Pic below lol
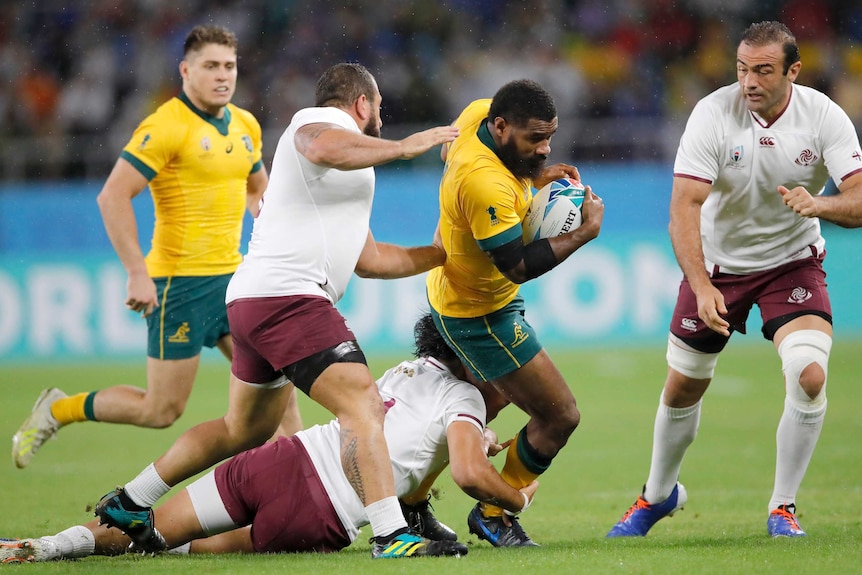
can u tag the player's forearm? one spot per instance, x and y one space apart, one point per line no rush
684 232
343 150
391 261
484 484
122 229
843 209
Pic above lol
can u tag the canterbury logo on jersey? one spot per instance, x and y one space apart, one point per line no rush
181 335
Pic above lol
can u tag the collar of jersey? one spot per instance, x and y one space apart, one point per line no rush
484 136
220 124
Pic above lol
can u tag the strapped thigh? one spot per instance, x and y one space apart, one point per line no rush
304 372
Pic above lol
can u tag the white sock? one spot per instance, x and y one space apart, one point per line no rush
147 487
73 543
675 429
795 440
183 549
385 516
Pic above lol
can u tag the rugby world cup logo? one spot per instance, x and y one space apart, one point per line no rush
736 154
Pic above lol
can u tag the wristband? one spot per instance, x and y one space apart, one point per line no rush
527 502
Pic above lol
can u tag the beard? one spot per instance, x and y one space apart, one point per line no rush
372 128
521 166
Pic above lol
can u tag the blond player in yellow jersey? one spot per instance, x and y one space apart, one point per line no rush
485 192
201 157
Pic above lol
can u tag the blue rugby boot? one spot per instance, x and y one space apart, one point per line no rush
497 533
641 516
782 522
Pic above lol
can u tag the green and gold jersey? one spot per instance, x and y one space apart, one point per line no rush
198 167
481 208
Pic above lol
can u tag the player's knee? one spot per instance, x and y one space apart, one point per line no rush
804 361
688 361
162 416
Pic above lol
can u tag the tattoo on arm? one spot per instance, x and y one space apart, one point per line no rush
350 464
308 133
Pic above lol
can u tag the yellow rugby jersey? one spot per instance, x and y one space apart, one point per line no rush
481 208
197 167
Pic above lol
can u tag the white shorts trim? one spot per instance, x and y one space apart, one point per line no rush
209 507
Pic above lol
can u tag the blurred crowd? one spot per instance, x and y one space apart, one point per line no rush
78 76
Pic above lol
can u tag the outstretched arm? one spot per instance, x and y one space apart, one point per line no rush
388 261
332 146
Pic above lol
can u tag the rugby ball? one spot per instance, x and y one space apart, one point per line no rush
556 209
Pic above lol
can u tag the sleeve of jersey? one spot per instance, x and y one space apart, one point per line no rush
489 204
841 150
465 403
698 156
256 140
153 144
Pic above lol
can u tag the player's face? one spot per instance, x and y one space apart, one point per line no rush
374 124
525 149
209 77
765 87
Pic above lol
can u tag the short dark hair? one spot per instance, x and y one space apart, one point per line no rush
343 83
204 34
428 341
772 32
520 101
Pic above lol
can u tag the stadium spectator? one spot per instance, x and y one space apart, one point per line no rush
745 226
201 157
630 57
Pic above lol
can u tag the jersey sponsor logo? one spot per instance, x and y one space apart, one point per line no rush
206 144
767 142
143 143
520 335
181 335
492 211
688 323
799 295
246 140
806 158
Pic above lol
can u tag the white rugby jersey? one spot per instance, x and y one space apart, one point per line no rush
312 225
422 398
745 226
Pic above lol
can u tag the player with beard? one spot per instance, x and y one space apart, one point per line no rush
310 236
484 194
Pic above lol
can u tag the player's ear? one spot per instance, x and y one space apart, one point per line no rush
362 107
500 125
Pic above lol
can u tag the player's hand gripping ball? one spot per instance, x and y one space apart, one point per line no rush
556 209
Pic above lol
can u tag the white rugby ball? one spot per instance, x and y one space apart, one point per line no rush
556 209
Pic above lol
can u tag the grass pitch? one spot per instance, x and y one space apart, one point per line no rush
728 473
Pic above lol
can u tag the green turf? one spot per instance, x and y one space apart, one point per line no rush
728 473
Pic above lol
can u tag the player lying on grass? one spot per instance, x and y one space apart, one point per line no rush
292 495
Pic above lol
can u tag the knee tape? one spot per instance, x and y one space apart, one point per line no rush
688 361
797 351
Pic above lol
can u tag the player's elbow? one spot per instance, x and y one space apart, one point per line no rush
516 275
468 478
